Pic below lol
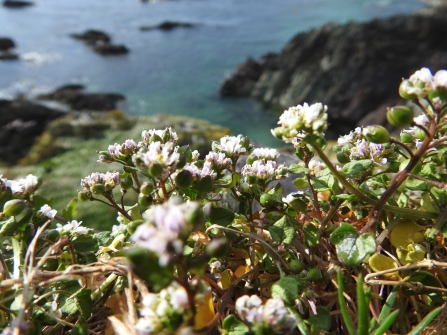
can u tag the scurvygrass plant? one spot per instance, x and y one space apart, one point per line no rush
358 248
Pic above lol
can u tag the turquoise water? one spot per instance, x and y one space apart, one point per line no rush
176 72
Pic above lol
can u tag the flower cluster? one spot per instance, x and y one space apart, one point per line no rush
118 152
300 121
160 159
422 83
162 312
156 135
23 187
233 146
355 147
99 183
262 170
265 153
272 315
47 212
73 228
167 228
198 173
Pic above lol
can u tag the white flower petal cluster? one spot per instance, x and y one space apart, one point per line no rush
24 186
310 119
73 228
273 314
218 160
368 150
166 135
119 151
315 164
166 230
233 146
109 179
159 308
352 137
264 170
422 82
265 153
47 211
164 154
198 173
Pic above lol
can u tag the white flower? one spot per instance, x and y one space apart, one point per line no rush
179 299
263 170
47 211
276 315
23 186
74 228
218 160
421 82
168 228
312 119
249 308
422 76
233 146
421 120
265 153
315 164
167 133
109 179
148 326
440 78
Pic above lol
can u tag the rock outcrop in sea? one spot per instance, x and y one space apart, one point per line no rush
101 42
168 25
7 46
354 68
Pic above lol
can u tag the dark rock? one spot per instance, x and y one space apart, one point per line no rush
21 120
354 68
17 3
6 43
77 99
111 49
101 42
8 55
168 25
93 37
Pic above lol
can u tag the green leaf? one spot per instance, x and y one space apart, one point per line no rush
311 235
322 319
70 212
297 169
233 326
84 302
351 248
424 278
221 216
355 168
229 181
416 185
283 231
319 184
204 185
425 321
84 243
81 328
287 289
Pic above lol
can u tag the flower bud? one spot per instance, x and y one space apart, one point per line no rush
314 274
296 266
251 178
419 134
267 200
347 148
250 160
98 189
147 188
144 200
342 157
84 196
337 148
439 93
277 132
400 116
14 207
126 183
5 195
406 138
403 89
166 135
133 225
376 134
183 180
155 169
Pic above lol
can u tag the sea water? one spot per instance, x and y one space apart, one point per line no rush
173 72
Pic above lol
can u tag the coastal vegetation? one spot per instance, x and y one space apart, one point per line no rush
204 245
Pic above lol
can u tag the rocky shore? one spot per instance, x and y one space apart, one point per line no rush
355 68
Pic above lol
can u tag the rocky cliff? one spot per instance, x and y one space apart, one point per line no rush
355 68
